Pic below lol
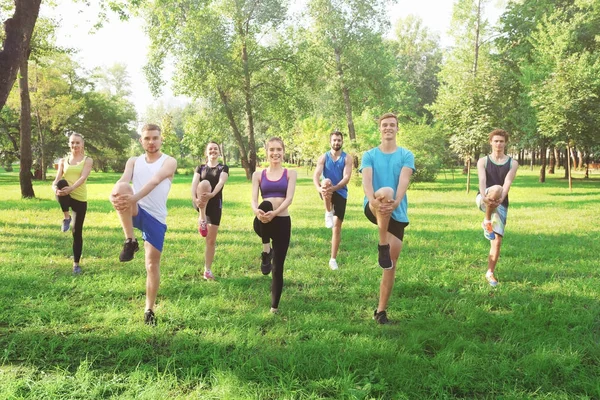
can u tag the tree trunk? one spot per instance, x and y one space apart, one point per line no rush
345 93
249 113
25 126
468 174
532 161
543 167
236 134
552 160
18 31
222 150
477 30
568 169
579 160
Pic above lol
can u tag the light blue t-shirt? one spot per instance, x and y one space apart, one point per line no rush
386 173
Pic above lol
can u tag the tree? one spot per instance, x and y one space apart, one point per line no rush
346 41
465 103
418 60
17 35
223 53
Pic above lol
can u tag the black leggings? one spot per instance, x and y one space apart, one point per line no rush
79 210
279 231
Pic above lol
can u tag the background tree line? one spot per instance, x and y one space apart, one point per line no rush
256 69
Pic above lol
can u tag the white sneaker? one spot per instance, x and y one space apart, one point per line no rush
329 219
333 264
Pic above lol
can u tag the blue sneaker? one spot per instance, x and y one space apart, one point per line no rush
77 270
488 232
66 224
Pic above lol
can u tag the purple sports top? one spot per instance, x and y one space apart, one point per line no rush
276 188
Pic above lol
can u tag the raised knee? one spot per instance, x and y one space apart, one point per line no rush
495 191
204 186
122 188
386 192
326 183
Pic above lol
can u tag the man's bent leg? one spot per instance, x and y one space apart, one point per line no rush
125 215
384 195
152 257
326 184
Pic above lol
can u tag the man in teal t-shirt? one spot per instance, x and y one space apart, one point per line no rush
386 171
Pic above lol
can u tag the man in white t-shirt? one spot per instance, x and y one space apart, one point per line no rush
144 206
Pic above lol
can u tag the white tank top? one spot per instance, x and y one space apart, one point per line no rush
155 202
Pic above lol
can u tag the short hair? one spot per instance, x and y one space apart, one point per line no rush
274 139
498 132
79 135
336 133
387 115
151 127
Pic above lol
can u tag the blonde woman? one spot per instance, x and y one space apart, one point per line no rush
273 223
71 192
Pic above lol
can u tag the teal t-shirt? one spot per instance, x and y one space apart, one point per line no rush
386 172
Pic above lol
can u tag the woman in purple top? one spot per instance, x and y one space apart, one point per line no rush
273 222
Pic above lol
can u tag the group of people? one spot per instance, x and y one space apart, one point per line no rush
140 197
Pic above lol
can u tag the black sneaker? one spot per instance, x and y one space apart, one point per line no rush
381 317
149 318
385 260
130 247
266 264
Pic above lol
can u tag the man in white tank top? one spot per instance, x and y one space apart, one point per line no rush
144 206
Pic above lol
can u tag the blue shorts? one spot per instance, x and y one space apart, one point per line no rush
153 231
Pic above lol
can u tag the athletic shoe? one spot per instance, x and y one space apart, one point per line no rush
266 264
149 318
380 317
77 270
385 261
488 231
203 229
208 275
333 264
274 310
129 247
66 224
329 219
489 276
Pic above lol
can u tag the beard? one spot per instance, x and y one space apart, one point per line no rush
336 147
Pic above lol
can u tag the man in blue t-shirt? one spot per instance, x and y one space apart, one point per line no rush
386 171
335 167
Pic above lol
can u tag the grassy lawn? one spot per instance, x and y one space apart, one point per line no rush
537 335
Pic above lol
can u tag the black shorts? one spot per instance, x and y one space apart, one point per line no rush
395 228
339 205
213 212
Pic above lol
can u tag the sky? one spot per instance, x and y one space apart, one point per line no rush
125 41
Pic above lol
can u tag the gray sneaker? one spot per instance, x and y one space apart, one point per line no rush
66 224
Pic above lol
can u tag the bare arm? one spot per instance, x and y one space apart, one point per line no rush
222 179
59 175
403 182
255 185
481 176
128 172
195 182
346 174
319 172
510 177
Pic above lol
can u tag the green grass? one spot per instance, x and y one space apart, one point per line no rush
535 336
